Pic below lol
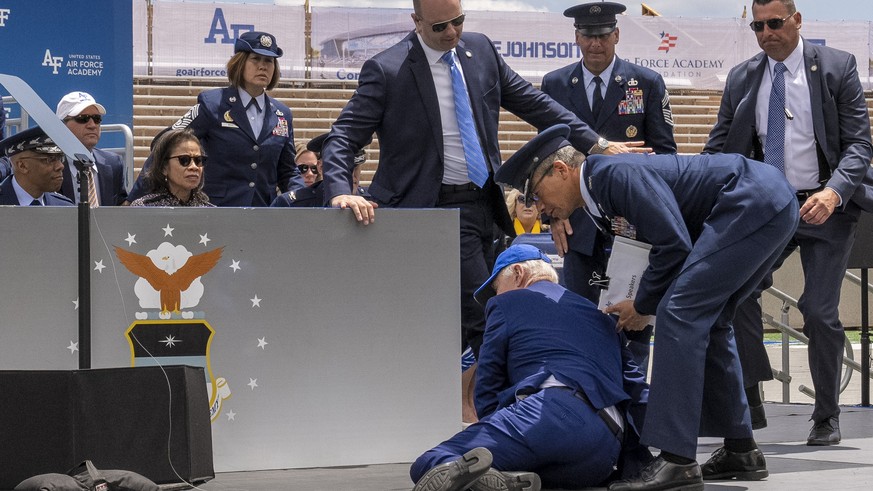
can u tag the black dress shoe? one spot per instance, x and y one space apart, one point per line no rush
826 432
661 475
456 475
759 417
743 466
495 480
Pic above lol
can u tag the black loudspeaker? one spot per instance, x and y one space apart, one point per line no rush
135 419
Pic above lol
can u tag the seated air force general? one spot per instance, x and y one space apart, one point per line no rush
83 115
556 391
716 224
246 133
176 175
38 166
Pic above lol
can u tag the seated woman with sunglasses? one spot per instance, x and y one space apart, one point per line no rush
176 175
525 219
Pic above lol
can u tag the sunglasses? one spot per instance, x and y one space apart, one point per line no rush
441 26
522 200
773 24
185 160
304 168
84 118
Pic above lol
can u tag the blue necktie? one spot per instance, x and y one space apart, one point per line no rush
35 203
476 169
774 147
597 99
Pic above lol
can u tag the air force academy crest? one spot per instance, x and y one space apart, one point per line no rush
167 331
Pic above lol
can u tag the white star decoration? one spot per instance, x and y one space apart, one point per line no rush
73 347
98 266
262 342
204 239
131 239
253 382
168 230
234 265
230 415
170 341
256 302
76 304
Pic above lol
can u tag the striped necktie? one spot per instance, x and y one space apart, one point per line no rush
93 202
477 171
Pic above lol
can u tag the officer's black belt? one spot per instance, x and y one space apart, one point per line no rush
610 423
806 193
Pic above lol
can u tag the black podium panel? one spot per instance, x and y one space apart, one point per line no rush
120 418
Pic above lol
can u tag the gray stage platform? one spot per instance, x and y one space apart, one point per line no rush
792 464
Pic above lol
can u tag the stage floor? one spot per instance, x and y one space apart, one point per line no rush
792 464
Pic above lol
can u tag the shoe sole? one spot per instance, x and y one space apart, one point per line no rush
739 476
494 480
458 476
820 443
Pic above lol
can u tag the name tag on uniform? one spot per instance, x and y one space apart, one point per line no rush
229 125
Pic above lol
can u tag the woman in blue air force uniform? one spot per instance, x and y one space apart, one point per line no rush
246 133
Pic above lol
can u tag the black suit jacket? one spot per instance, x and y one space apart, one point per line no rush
110 172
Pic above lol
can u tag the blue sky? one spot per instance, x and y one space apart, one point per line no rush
811 9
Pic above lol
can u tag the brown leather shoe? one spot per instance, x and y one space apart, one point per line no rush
495 480
743 466
826 432
458 474
661 475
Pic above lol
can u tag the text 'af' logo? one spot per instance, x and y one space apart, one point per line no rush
668 41
53 61
4 14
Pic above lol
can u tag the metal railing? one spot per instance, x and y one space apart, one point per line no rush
789 333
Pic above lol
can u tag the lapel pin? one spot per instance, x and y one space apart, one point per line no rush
228 117
468 53
632 82
813 68
574 80
618 79
232 99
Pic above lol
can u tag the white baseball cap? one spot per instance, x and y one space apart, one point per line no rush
75 102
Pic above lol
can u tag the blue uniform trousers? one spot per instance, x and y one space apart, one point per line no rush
696 380
824 254
551 432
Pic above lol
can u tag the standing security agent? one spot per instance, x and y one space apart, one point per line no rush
803 107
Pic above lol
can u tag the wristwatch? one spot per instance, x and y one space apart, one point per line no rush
599 147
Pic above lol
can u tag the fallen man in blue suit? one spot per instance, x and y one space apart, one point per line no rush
556 391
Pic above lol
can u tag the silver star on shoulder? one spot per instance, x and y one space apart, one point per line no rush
170 341
73 347
234 265
230 415
168 230
131 239
76 304
262 342
253 382
204 239
256 302
98 266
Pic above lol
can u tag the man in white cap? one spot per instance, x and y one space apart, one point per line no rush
83 115
37 164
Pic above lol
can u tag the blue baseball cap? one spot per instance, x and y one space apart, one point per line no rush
513 254
258 42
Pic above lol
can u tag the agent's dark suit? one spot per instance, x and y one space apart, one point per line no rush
110 172
842 134
397 100
716 223
2 120
8 196
243 169
636 108
532 334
